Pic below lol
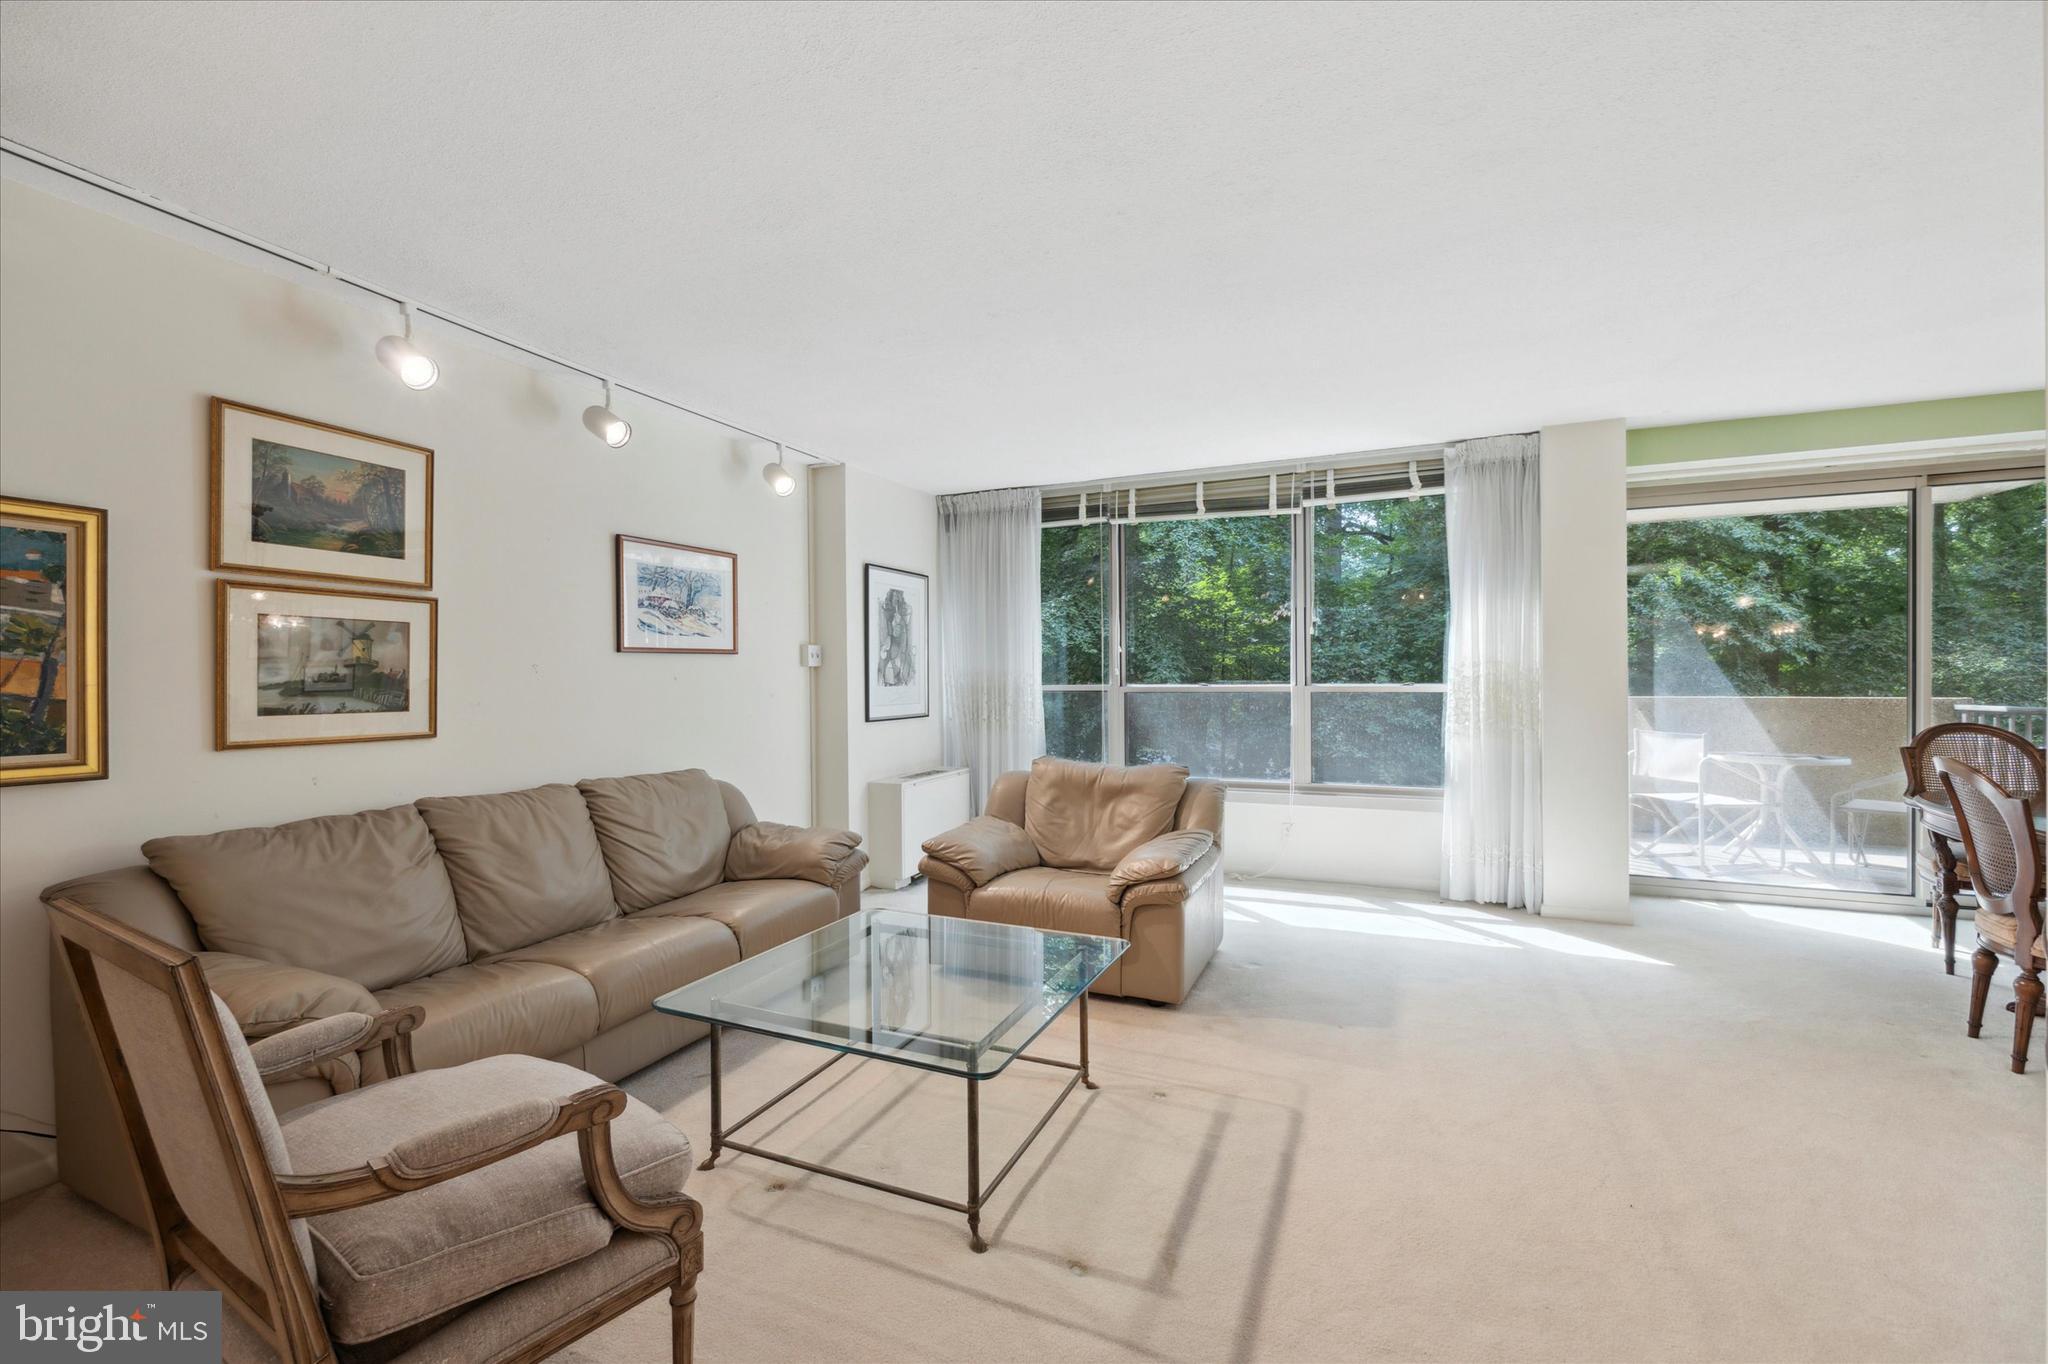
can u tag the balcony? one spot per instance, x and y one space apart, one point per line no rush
1833 825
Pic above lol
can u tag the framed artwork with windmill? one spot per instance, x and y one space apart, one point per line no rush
303 499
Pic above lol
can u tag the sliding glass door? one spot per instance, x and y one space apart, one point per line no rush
1770 676
1784 642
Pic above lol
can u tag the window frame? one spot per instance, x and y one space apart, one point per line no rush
1116 689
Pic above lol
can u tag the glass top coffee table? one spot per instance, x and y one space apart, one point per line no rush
949 995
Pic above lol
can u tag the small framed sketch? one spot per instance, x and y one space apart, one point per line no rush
899 675
53 642
309 665
303 499
675 599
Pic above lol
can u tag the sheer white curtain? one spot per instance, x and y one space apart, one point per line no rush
988 634
1493 714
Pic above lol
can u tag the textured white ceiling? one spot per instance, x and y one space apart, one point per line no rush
967 245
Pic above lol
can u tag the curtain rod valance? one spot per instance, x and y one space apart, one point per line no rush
1249 493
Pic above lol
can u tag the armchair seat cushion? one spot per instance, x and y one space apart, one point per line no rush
403 1261
761 914
629 962
1049 898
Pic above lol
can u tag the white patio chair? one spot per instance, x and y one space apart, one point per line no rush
1850 812
1667 782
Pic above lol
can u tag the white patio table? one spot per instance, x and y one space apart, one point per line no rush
1772 773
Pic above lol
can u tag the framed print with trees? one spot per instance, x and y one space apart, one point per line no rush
304 499
53 642
675 599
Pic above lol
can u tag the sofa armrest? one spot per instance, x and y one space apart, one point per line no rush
266 997
307 1049
983 848
767 851
1165 858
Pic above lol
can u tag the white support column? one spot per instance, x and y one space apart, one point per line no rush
1585 671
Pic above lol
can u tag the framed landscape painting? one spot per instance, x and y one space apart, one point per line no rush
308 500
53 642
899 674
306 665
675 599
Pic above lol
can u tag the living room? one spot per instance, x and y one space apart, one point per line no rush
1438 613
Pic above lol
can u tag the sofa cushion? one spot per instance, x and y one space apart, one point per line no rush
393 1264
664 834
761 914
525 865
1059 901
365 897
489 1007
1090 815
629 962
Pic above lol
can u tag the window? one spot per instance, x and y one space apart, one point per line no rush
1256 648
1073 584
1376 694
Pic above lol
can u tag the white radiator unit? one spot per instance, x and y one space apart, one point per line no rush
903 812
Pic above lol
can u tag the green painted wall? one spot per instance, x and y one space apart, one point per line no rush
1992 414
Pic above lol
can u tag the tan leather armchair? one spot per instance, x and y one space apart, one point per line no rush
1119 852
493 1210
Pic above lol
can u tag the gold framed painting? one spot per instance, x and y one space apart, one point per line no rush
312 665
298 498
53 642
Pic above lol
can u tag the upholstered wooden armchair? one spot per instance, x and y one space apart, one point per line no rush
437 1215
2007 758
2005 865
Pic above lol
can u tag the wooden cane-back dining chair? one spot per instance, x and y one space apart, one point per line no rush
2005 757
2005 859
226 1211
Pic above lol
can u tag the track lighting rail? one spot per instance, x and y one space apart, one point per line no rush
56 165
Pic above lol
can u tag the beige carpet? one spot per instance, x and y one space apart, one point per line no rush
1385 1129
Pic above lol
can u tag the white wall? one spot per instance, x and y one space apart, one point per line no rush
1385 843
114 336
862 519
1585 671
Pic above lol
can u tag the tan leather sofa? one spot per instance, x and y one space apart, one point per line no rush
1120 852
543 922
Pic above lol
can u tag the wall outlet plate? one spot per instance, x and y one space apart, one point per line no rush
813 655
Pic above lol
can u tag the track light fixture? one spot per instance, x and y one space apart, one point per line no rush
778 476
404 359
607 425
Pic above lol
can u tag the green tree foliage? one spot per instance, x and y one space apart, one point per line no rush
1818 603
1073 572
1990 623
1810 603
1382 581
1209 601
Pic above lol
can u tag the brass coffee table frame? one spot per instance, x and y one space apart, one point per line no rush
977 1194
